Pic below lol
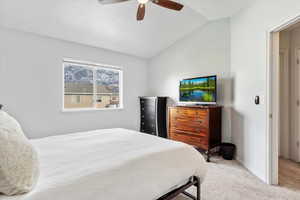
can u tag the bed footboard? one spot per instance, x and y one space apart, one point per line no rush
193 181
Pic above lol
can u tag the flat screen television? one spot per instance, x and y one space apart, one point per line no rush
200 90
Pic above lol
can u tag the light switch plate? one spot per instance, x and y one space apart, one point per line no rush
256 101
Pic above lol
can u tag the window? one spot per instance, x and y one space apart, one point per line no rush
91 86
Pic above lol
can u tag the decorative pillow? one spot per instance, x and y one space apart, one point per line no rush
19 167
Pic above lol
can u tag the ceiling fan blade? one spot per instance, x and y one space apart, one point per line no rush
111 1
141 12
168 4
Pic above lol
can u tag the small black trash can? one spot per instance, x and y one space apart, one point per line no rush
227 151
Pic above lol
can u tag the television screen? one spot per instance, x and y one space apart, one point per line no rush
199 90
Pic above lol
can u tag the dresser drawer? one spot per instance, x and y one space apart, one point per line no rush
148 130
148 125
191 130
192 114
148 102
193 121
201 142
148 110
148 117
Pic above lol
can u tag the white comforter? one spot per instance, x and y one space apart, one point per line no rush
111 164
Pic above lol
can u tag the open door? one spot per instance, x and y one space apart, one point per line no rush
274 108
295 107
284 133
295 150
298 105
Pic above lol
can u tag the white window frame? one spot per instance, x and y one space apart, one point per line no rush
94 67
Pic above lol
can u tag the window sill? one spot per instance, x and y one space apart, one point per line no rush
90 109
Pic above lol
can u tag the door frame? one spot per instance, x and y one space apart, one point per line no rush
273 99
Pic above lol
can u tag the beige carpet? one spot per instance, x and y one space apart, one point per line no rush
227 180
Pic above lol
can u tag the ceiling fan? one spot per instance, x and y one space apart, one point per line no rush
141 7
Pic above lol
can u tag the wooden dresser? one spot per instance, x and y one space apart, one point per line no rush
199 126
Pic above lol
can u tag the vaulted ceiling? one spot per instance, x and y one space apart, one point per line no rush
114 26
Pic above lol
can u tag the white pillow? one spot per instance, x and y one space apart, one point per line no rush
19 167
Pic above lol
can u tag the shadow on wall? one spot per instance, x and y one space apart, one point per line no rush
237 128
237 125
224 97
171 102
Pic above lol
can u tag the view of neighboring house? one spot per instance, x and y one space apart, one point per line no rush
81 91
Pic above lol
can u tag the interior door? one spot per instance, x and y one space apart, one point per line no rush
297 136
295 107
274 108
284 134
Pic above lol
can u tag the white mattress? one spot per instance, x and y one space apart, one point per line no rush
111 164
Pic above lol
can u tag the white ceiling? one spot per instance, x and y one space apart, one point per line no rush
114 26
216 9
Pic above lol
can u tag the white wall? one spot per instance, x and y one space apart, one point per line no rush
31 84
206 51
249 66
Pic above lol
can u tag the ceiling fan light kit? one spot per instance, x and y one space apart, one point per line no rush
141 7
143 1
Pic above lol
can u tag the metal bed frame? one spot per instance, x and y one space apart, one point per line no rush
193 181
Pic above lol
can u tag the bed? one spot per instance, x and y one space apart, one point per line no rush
114 164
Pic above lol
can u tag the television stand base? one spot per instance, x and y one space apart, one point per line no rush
198 105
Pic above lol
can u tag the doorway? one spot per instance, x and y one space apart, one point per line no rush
284 105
